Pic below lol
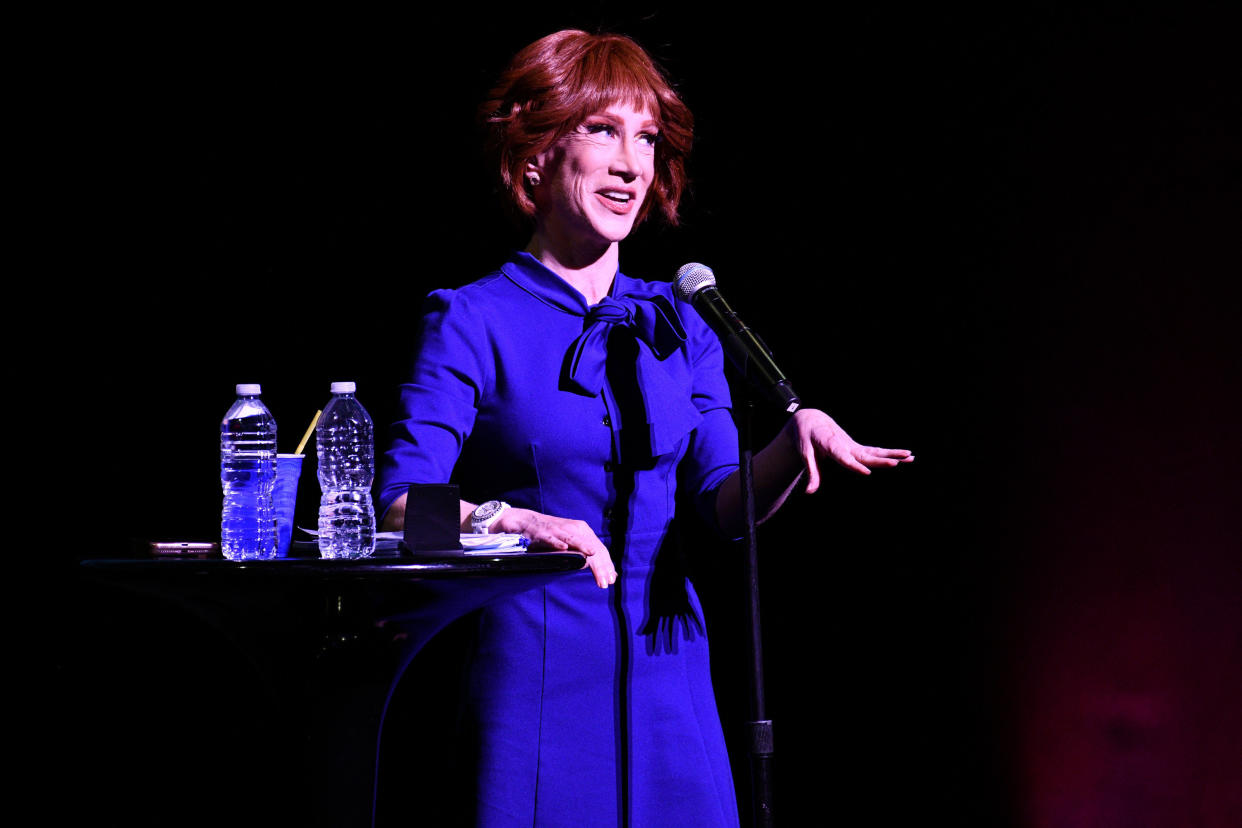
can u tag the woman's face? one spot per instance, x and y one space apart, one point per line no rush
594 180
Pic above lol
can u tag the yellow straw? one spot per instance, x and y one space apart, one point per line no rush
306 436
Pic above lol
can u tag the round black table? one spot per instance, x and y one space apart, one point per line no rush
329 641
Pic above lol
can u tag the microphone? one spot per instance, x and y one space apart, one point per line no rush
696 284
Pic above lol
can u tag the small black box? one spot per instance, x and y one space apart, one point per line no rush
432 519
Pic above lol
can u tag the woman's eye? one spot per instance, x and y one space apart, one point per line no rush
649 139
601 129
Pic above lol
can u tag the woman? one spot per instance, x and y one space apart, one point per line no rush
569 402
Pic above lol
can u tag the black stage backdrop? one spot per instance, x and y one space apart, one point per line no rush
1005 240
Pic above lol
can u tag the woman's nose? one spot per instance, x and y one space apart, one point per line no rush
625 162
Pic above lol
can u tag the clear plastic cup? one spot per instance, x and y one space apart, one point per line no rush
285 499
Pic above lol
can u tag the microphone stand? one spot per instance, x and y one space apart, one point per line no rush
760 726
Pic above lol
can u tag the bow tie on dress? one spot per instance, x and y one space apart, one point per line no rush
669 414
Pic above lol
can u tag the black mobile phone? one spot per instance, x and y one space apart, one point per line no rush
184 549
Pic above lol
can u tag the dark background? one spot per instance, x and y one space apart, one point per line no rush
1007 240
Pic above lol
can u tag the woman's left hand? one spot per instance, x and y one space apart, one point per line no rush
561 535
815 435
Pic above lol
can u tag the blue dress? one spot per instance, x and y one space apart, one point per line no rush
588 707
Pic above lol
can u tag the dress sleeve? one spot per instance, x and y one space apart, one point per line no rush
713 452
438 404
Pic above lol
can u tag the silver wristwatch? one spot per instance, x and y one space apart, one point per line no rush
485 514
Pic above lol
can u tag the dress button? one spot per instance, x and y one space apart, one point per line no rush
608 466
608 514
607 420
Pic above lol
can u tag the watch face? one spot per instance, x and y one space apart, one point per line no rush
486 510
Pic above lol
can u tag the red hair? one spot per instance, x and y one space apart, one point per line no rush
556 83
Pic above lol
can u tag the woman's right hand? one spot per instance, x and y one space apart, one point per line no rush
560 535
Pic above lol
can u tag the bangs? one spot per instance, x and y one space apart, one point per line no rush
607 76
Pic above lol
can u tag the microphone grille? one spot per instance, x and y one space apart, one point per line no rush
691 278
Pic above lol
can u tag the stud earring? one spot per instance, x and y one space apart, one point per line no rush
533 178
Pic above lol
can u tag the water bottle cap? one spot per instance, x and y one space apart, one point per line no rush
344 387
248 389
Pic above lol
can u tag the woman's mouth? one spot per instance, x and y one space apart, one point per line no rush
618 201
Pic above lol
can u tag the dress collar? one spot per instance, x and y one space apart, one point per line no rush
532 276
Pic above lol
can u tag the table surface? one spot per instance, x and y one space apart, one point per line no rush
399 567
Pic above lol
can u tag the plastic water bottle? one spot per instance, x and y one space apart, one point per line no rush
248 476
345 441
